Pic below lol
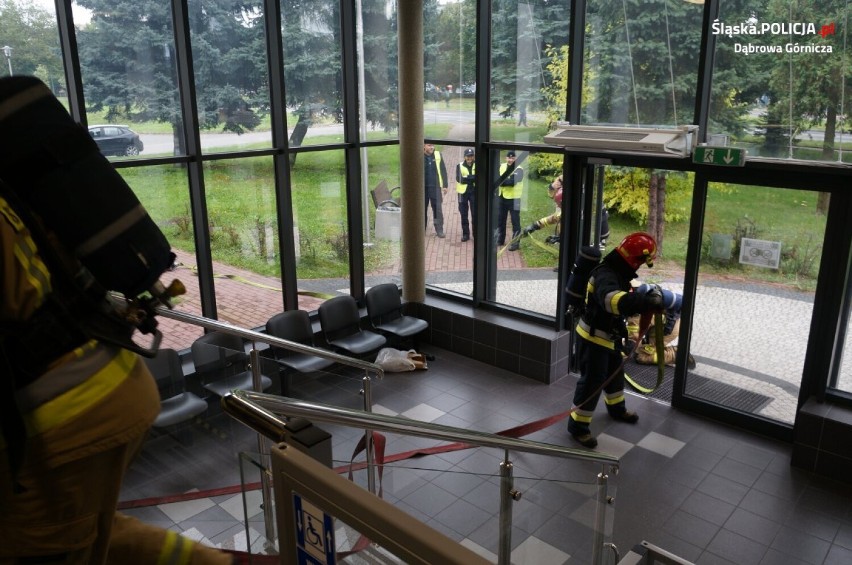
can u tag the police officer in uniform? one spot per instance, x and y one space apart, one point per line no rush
466 189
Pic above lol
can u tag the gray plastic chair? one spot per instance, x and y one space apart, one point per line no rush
341 325
384 308
220 364
294 325
176 404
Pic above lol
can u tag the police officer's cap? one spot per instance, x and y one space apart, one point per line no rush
468 152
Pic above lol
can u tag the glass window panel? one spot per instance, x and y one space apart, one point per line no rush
759 263
529 62
129 78
244 240
163 191
449 68
378 67
781 79
231 77
382 238
312 72
524 268
641 62
29 44
843 379
449 260
320 229
524 264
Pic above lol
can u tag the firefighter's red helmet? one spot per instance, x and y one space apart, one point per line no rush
638 249
558 197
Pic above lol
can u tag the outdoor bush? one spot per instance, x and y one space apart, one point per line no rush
745 228
801 259
627 193
545 165
265 238
338 240
183 224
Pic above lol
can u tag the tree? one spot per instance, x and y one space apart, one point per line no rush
521 33
645 62
737 80
312 62
127 59
381 62
455 35
31 33
806 87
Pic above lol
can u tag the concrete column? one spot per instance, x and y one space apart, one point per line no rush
412 199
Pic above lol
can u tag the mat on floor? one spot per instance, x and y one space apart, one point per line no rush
700 387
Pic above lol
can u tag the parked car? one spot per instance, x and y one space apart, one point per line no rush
116 139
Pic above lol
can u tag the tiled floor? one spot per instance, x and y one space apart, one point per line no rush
706 492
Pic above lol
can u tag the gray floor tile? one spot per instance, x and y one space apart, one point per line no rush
800 545
752 526
708 508
718 498
838 555
736 548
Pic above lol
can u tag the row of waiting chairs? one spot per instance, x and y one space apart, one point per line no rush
221 361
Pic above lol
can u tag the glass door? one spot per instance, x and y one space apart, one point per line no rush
760 256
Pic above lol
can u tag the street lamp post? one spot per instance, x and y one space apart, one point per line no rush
8 52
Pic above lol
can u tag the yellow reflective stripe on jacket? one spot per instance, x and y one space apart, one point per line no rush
611 301
550 220
77 400
177 550
599 338
438 169
32 268
512 192
461 187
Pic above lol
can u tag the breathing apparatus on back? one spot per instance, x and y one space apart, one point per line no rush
104 251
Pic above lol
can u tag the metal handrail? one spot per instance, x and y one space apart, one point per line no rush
246 403
258 411
295 346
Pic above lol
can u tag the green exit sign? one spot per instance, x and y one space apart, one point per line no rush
724 156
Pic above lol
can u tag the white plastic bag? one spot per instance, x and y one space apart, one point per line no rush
394 360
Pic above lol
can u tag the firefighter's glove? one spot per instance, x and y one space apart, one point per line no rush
654 298
531 228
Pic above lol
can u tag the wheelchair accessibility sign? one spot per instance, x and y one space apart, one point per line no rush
314 534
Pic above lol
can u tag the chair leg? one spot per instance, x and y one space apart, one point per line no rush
286 379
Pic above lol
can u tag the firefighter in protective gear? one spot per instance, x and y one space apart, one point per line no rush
550 220
554 190
78 415
601 332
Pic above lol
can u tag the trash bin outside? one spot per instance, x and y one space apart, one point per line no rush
388 221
